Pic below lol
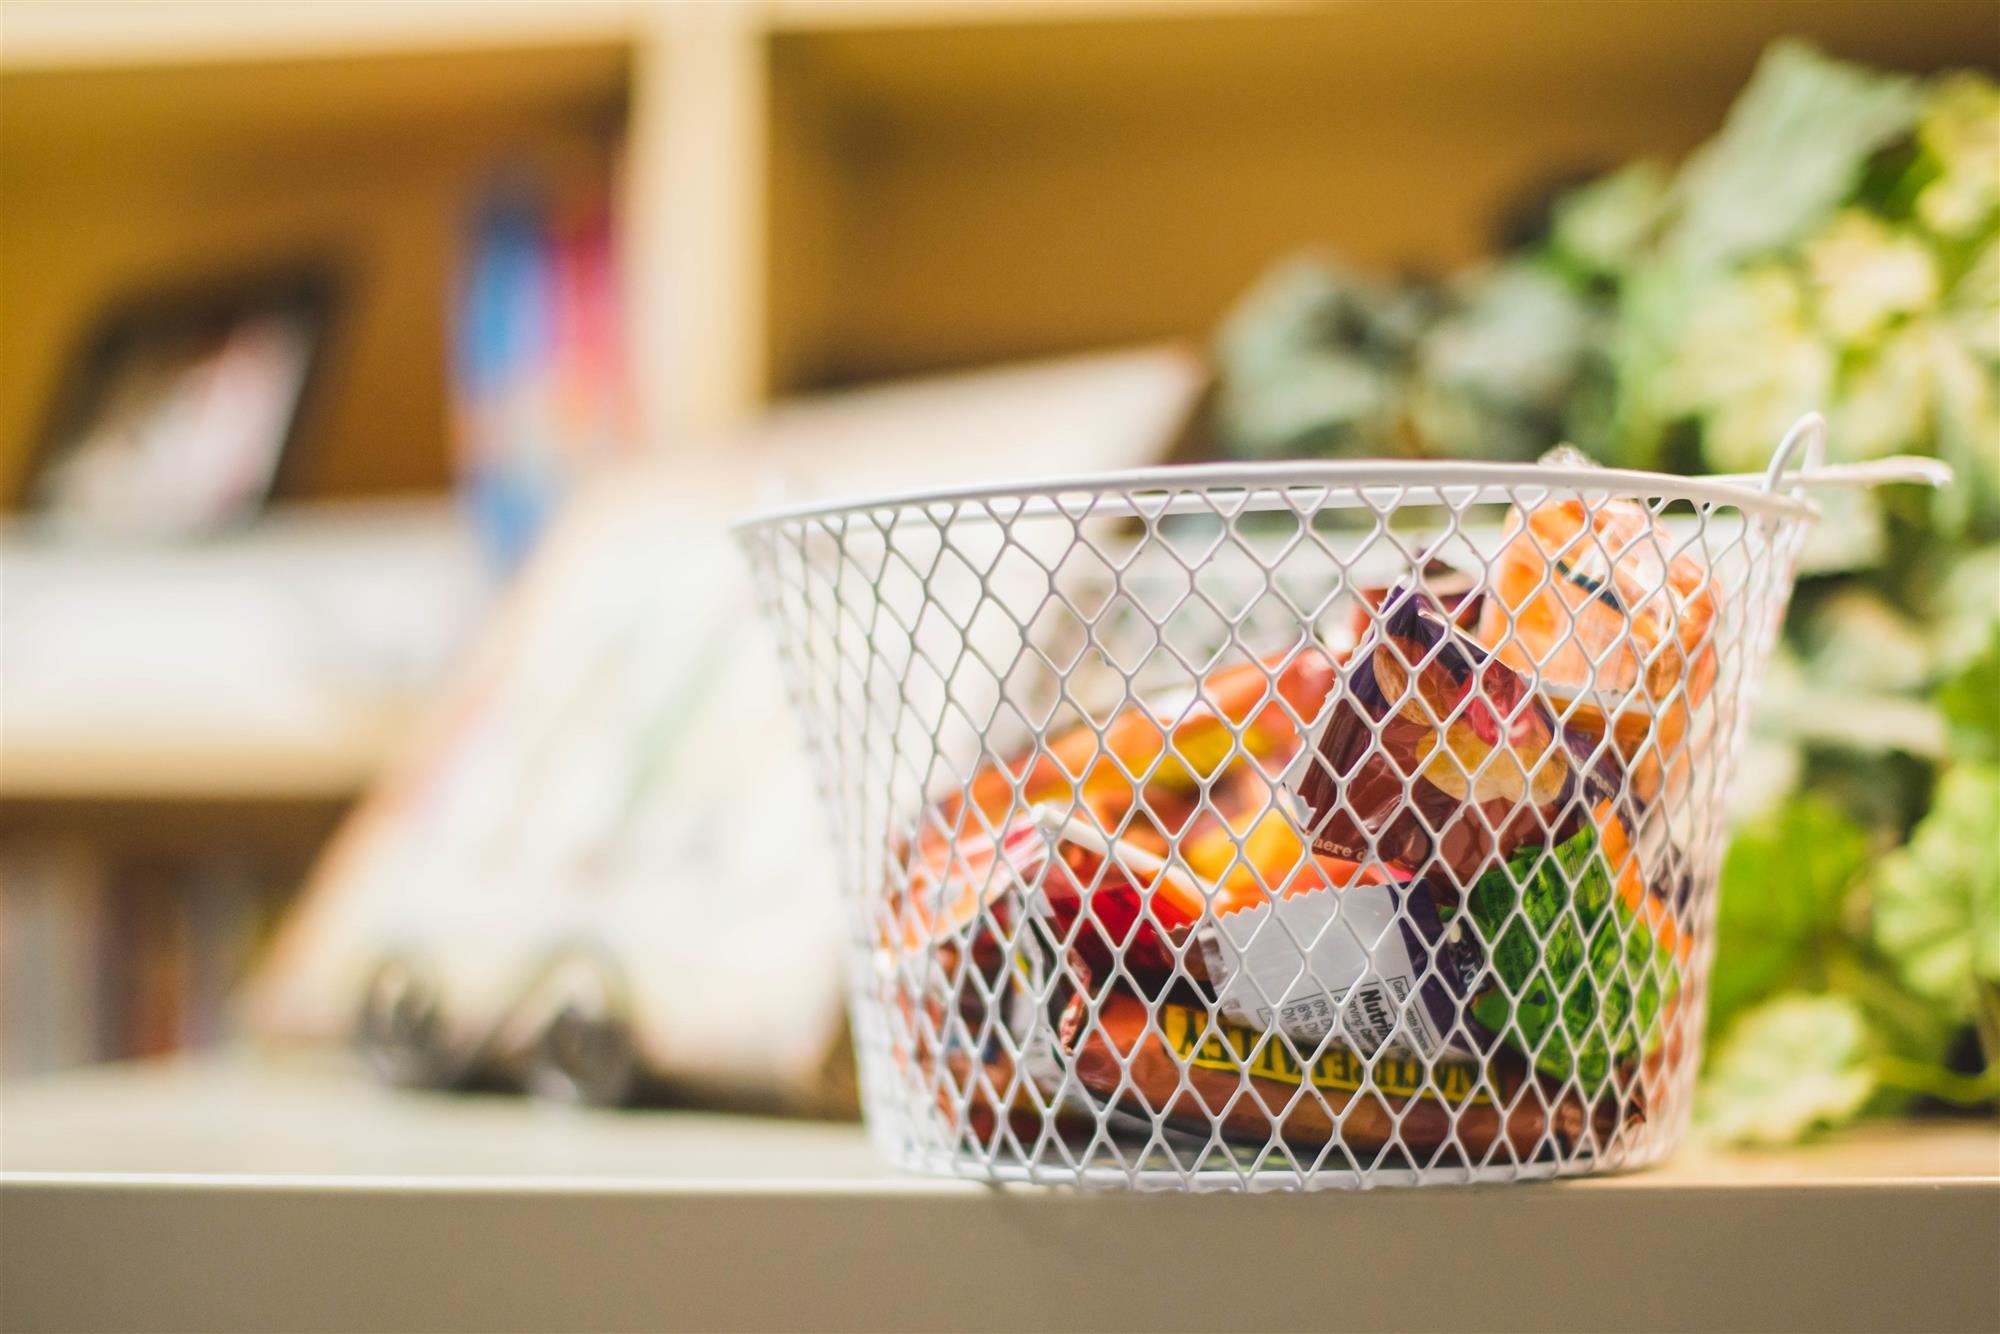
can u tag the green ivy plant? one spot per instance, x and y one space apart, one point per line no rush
1836 246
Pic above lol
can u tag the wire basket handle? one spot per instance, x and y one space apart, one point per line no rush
1809 433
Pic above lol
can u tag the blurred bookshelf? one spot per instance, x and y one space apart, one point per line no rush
114 957
182 729
813 194
823 193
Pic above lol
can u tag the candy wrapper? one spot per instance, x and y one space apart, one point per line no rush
1457 595
1198 1074
1466 915
1175 807
1599 605
1437 757
1361 952
978 1019
1582 957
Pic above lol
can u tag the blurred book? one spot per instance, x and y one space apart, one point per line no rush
585 840
50 909
104 958
603 866
539 391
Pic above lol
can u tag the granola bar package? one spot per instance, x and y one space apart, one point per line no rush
1199 1073
1363 954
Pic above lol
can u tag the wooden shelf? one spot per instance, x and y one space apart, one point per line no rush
53 34
239 1195
60 34
839 15
332 764
279 663
125 174
950 193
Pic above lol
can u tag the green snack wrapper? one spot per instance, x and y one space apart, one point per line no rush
1579 975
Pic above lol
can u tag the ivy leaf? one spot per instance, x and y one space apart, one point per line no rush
1794 1064
1970 701
1937 899
1605 227
1796 144
1783 882
1849 536
1961 137
1965 415
1857 640
1967 600
1308 361
1494 374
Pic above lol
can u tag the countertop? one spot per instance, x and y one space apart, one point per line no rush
250 1194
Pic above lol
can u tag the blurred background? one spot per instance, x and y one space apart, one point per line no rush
374 381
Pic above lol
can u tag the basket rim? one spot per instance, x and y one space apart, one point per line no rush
1262 487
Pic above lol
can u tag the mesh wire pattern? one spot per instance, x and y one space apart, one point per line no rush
1337 825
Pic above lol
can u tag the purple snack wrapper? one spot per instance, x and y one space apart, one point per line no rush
1438 758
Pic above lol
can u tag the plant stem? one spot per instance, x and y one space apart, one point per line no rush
1909 1018
1986 1022
1915 1077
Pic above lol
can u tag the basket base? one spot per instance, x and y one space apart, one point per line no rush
1257 1178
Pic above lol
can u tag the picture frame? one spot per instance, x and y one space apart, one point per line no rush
181 411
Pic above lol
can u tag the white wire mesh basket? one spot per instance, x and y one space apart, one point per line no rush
1284 826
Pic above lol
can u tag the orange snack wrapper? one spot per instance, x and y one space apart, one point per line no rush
1136 793
1596 602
